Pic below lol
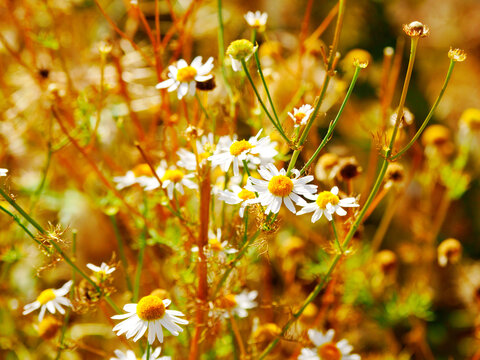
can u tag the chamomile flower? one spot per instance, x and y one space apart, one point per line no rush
240 50
205 148
238 304
326 349
256 19
254 151
3 172
101 271
301 115
216 244
328 203
138 175
172 179
237 195
148 316
278 187
51 300
130 355
184 77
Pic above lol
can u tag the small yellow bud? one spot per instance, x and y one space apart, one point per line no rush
241 49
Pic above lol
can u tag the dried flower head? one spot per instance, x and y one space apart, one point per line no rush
416 28
395 175
348 169
436 135
458 55
358 57
326 166
208 85
386 261
471 118
449 252
48 327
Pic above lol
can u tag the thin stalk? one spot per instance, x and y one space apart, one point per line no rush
22 212
234 261
238 337
259 66
148 351
254 35
141 254
121 251
245 230
221 56
334 122
280 130
429 116
360 216
335 233
201 105
328 75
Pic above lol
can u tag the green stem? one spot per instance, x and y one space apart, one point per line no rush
429 116
259 66
234 261
201 105
138 273
280 130
334 122
335 233
121 251
221 56
247 170
254 36
360 216
148 351
329 72
21 211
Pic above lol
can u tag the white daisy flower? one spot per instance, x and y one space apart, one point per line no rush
149 315
256 19
216 244
51 300
130 355
326 349
101 270
3 172
407 118
184 77
254 151
138 175
301 115
237 195
172 178
205 148
238 304
278 188
328 203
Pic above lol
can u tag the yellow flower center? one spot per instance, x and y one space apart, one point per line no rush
186 74
46 296
150 307
245 194
228 301
280 185
215 244
299 117
329 351
173 175
142 170
239 146
326 197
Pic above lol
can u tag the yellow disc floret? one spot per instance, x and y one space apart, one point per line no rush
299 117
238 147
326 197
174 175
240 49
150 307
245 194
46 296
280 185
329 351
215 244
186 74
